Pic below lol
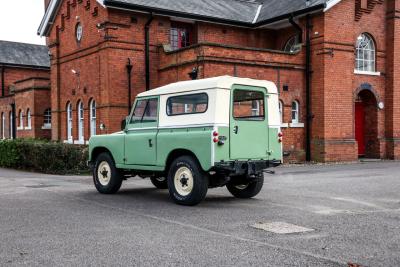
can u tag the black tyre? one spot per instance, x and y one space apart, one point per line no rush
106 176
159 182
187 183
247 190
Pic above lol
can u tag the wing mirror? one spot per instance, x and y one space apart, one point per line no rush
124 123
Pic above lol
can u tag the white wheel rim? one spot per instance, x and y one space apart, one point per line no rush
183 181
242 186
104 173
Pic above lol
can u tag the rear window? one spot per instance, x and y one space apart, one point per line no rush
248 105
187 104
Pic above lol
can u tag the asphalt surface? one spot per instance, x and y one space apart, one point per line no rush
62 221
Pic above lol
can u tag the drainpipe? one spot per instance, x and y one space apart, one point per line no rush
2 82
308 73
147 49
298 29
129 72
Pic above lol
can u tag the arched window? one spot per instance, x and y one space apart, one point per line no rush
81 122
28 119
11 125
292 45
3 126
295 112
92 118
365 53
69 122
281 110
47 118
21 119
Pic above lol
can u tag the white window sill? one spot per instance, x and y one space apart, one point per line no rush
68 142
371 73
20 128
46 127
79 142
284 125
28 128
296 125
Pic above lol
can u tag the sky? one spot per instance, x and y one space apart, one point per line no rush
20 19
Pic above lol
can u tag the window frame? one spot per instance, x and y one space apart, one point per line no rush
295 41
281 110
47 116
259 90
3 125
361 52
70 133
186 95
150 124
93 118
21 119
297 110
178 28
28 119
81 121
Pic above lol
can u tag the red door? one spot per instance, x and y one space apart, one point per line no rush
360 127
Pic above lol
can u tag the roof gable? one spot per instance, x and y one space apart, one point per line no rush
247 13
21 54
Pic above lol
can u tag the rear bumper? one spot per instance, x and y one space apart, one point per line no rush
248 168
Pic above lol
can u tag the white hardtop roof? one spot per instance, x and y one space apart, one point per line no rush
222 82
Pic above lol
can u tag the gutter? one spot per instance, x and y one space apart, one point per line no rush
308 72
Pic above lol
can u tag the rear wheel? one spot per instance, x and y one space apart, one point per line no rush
246 190
107 179
159 182
187 183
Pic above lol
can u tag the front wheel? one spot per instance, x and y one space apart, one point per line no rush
187 183
246 190
106 176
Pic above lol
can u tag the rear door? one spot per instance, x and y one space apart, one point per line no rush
248 123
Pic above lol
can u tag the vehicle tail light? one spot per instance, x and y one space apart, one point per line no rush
280 137
215 134
215 140
280 134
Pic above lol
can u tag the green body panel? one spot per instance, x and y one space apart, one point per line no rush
222 151
141 147
251 139
112 142
197 140
275 147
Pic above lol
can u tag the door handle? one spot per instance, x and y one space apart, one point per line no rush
150 143
236 129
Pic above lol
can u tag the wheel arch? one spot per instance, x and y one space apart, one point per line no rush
178 153
99 150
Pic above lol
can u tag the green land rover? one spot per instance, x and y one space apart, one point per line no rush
194 135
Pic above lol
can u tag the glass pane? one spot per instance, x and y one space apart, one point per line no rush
187 104
248 105
139 111
150 114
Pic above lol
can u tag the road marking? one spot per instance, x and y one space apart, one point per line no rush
281 228
201 229
360 202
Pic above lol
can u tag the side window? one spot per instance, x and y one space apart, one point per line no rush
248 105
145 111
295 112
187 104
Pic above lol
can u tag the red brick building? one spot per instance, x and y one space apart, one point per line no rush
335 62
25 109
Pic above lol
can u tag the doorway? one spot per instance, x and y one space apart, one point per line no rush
366 125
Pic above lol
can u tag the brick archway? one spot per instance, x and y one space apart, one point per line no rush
366 122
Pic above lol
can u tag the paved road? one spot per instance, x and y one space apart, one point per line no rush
353 209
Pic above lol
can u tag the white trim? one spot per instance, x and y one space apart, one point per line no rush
46 18
285 125
101 2
46 127
331 4
20 128
68 142
371 73
28 128
296 125
257 14
79 142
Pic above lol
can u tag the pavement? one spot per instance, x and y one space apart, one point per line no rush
349 213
